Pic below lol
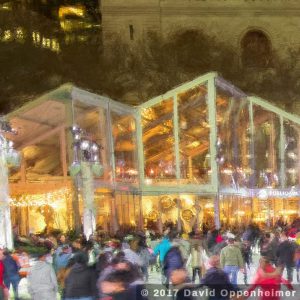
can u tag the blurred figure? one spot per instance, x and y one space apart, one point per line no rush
11 273
117 286
217 281
62 258
173 260
103 262
4 294
270 285
246 253
42 282
231 260
145 257
196 259
266 246
131 254
22 258
163 247
297 261
285 254
180 282
80 283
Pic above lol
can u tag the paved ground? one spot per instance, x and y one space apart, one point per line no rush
155 287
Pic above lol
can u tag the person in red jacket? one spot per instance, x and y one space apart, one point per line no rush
269 280
3 288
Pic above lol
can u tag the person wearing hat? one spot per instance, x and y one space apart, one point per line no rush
231 260
42 282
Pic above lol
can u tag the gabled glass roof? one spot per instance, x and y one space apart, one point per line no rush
201 136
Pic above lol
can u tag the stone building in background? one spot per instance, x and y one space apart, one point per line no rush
249 26
254 29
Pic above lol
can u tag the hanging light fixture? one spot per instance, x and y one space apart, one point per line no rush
84 149
12 156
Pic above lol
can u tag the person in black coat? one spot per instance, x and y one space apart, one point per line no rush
217 281
122 285
173 261
285 255
11 273
81 280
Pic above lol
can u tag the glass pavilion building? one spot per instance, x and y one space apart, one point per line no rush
204 152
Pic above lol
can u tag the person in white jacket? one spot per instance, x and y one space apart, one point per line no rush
42 282
197 259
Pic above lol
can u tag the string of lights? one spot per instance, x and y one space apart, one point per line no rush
53 199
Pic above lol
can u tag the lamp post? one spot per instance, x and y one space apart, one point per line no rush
8 157
86 165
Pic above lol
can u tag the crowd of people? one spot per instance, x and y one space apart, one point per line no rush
118 267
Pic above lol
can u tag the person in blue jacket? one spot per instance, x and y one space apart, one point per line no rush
11 273
162 248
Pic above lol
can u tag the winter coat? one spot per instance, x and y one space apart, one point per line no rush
267 250
246 253
217 280
184 246
61 260
41 278
173 261
11 268
231 256
162 248
268 286
81 282
197 257
285 253
1 274
133 257
145 256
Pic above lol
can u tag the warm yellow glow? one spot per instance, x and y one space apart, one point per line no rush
188 200
20 34
7 35
240 213
288 212
147 206
56 199
71 10
209 205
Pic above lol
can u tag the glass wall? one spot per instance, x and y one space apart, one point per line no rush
194 136
291 154
233 142
266 164
103 205
128 209
235 210
191 211
124 142
93 120
158 141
